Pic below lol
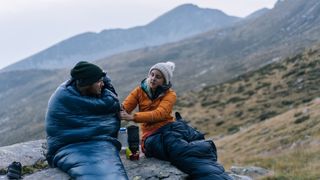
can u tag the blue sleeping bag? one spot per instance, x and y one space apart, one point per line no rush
82 132
186 149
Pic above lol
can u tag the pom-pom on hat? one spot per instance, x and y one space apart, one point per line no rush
86 73
166 68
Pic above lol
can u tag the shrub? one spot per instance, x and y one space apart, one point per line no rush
301 119
262 85
287 102
276 87
294 71
283 93
240 89
297 114
209 102
219 123
3 172
198 122
306 100
233 129
267 115
185 103
252 109
301 72
235 99
249 93
267 105
238 113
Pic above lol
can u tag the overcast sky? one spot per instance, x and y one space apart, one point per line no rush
29 26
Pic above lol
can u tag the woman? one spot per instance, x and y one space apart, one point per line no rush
155 99
162 136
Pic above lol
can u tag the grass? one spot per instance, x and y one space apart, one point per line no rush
268 117
290 150
258 95
297 164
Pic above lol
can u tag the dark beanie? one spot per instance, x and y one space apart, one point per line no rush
86 73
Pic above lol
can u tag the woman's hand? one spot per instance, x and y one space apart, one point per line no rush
125 116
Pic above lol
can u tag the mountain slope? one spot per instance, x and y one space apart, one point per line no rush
219 55
255 96
23 103
181 22
288 144
268 118
257 13
209 58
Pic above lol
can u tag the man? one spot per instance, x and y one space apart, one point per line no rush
82 124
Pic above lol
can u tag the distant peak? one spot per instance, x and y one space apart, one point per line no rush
279 2
189 5
258 13
186 7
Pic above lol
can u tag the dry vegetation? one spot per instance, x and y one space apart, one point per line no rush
255 96
266 118
288 146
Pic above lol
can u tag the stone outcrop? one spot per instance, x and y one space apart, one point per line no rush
31 156
252 171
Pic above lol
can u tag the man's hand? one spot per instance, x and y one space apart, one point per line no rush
125 116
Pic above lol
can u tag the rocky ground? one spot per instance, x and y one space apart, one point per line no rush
31 156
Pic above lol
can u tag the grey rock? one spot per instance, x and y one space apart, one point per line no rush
150 168
240 177
252 171
32 153
27 153
48 174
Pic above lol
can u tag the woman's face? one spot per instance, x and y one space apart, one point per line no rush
155 79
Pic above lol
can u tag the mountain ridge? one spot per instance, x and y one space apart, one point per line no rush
189 20
203 60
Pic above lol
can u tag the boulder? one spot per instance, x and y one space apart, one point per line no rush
32 157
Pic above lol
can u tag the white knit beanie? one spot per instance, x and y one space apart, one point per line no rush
166 68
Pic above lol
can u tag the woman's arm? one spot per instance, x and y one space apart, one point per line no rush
131 101
160 113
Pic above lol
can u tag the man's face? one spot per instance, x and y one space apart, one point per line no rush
96 88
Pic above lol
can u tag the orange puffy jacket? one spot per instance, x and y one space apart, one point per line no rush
153 114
